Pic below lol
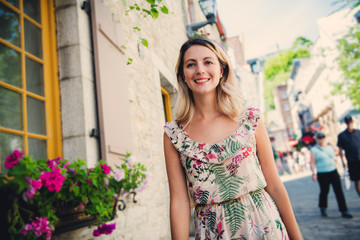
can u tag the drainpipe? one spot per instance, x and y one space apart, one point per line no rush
95 132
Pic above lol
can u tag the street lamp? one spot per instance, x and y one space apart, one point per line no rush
208 7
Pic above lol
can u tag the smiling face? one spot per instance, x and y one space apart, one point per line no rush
202 71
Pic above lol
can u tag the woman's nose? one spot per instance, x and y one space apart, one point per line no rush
200 68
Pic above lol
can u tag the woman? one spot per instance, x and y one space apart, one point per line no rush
324 171
220 153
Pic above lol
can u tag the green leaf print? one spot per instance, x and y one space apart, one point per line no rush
279 225
234 216
231 148
188 163
204 197
258 201
229 188
212 221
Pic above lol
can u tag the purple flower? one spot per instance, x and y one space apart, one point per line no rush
119 174
13 159
131 161
104 229
53 162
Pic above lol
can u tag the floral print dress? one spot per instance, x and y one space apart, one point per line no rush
226 183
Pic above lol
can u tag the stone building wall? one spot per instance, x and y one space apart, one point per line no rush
151 69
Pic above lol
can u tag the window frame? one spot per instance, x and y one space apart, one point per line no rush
49 61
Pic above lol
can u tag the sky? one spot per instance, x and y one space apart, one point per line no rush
267 25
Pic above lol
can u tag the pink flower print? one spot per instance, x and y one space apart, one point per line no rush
211 156
246 154
232 168
219 226
13 159
201 146
198 162
238 158
251 114
194 165
119 174
106 168
52 180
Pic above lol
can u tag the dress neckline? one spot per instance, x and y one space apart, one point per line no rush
232 134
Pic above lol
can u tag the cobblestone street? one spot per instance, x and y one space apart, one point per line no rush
304 194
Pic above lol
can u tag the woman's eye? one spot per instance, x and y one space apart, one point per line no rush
190 65
208 62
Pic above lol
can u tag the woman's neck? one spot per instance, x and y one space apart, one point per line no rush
205 107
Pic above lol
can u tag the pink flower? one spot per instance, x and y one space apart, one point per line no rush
34 185
104 229
106 181
106 168
145 184
54 162
119 174
39 226
201 146
13 159
52 180
131 161
198 162
66 164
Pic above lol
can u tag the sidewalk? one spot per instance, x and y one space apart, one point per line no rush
304 193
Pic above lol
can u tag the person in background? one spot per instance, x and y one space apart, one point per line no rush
324 171
349 141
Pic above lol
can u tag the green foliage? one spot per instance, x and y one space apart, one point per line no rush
146 8
91 190
349 63
278 67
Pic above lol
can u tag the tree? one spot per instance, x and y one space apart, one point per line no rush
349 63
278 67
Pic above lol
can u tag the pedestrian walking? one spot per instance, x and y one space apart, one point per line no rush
219 158
324 170
349 141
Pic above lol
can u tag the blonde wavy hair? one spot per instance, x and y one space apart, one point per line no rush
229 98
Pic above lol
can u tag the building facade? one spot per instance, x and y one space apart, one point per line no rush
66 90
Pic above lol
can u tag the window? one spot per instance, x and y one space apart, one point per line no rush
283 94
29 95
288 118
166 104
285 106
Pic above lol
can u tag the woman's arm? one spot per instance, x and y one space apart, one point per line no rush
313 167
179 199
275 187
